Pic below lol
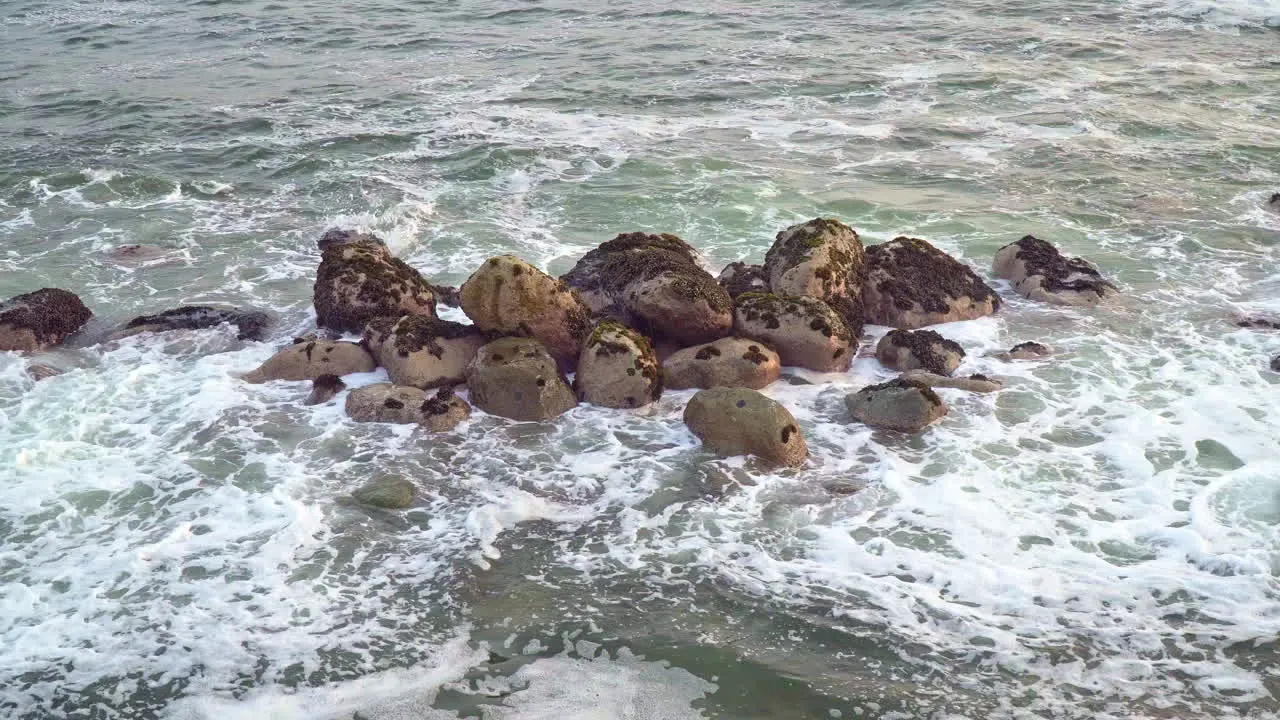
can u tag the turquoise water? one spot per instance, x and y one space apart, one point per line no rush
1098 540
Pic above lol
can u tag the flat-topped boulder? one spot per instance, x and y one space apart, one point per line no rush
424 352
618 368
738 277
39 320
912 284
900 404
804 331
655 284
312 359
1040 272
974 383
924 349
249 324
360 280
507 295
727 362
741 421
400 404
517 378
821 258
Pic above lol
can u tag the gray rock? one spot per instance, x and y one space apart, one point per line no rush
973 383
618 368
324 388
1025 351
1274 203
909 350
136 255
1039 272
741 421
250 324
39 371
359 280
311 359
1275 363
40 320
903 405
422 351
821 258
804 331
388 493
727 362
387 403
517 378
912 284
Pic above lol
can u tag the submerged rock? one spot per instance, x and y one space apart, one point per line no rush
359 280
1275 363
738 277
517 378
387 403
912 284
250 324
727 362
324 388
388 493
740 421
824 259
508 295
134 255
900 404
654 283
973 383
909 350
40 320
1274 203
1258 322
618 368
424 352
1025 351
311 359
39 371
1039 272
804 331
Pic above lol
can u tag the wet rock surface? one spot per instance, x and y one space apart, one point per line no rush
40 320
804 331
618 368
311 359
727 362
324 389
1039 271
424 352
393 493
359 280
973 383
900 404
517 378
925 349
911 284
741 421
387 403
739 277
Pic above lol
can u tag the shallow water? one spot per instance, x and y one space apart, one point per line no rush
1101 539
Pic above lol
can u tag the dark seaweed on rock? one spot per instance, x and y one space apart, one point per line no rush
1042 258
924 274
50 314
636 257
251 324
415 332
739 277
924 345
381 281
904 383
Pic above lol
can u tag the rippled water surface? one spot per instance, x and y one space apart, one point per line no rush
1101 539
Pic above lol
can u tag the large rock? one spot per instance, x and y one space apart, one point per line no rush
1025 351
912 284
249 324
618 368
422 351
40 320
727 362
359 280
804 331
909 350
973 383
310 359
324 388
654 283
391 493
741 421
1039 272
900 404
387 403
738 277
517 378
821 258
508 295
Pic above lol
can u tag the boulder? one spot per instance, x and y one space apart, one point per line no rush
727 362
359 280
135 255
909 350
900 404
618 368
393 493
738 277
508 295
1039 272
422 351
1025 351
517 378
804 331
40 320
40 371
821 258
654 283
741 421
324 388
446 295
387 403
973 383
250 324
310 359
911 284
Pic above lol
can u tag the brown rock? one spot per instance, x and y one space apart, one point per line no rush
517 378
1039 272
359 280
804 331
973 383
508 295
40 320
824 259
740 421
387 403
900 404
912 284
618 368
1025 351
40 372
312 359
422 351
250 324
738 278
908 350
727 362
324 388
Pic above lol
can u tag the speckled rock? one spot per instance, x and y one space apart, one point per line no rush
517 378
727 362
359 280
909 350
900 404
741 421
308 360
387 403
618 368
738 278
393 493
911 284
973 383
40 320
422 351
1025 351
804 331
654 284
822 258
249 324
1039 272
324 388
509 296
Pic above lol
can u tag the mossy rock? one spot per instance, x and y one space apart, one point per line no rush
821 258
391 493
40 320
618 368
919 349
359 280
424 352
804 331
912 284
1040 272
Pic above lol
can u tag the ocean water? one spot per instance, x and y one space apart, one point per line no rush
1101 539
